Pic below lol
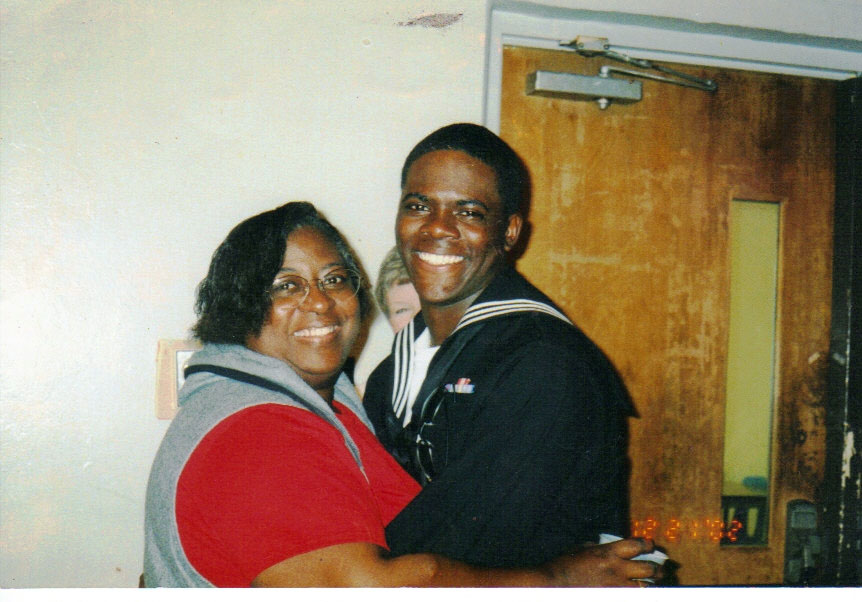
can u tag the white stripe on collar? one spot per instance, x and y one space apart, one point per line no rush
403 359
491 309
404 347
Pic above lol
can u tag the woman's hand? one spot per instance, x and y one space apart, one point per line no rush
367 565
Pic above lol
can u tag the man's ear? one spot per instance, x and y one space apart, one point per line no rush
513 231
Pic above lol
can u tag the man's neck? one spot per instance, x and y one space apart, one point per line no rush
441 320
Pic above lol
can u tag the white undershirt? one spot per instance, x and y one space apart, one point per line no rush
423 353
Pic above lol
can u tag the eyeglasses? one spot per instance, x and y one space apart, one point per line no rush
340 284
425 453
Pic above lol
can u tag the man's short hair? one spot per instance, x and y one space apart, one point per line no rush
483 144
233 300
392 273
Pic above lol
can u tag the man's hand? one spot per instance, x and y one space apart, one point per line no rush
607 565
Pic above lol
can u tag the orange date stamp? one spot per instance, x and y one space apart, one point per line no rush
675 530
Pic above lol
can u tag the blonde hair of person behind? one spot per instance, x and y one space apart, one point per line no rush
392 273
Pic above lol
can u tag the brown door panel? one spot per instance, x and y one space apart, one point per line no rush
629 233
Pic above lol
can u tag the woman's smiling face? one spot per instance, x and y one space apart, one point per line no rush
316 336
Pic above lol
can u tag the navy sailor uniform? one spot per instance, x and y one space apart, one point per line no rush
529 440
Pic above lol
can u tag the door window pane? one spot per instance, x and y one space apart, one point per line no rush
754 245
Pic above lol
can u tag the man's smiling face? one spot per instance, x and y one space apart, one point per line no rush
451 228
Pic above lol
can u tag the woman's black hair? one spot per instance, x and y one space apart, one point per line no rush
513 180
233 300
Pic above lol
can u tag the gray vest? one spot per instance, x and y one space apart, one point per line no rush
205 400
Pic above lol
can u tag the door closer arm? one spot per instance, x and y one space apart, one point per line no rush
599 47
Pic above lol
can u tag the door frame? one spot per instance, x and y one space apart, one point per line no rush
665 39
842 505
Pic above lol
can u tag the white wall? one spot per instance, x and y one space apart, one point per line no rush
134 135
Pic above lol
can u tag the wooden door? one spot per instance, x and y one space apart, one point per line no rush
629 233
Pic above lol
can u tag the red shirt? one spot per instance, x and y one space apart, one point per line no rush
273 481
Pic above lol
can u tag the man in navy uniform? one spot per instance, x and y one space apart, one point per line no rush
510 417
